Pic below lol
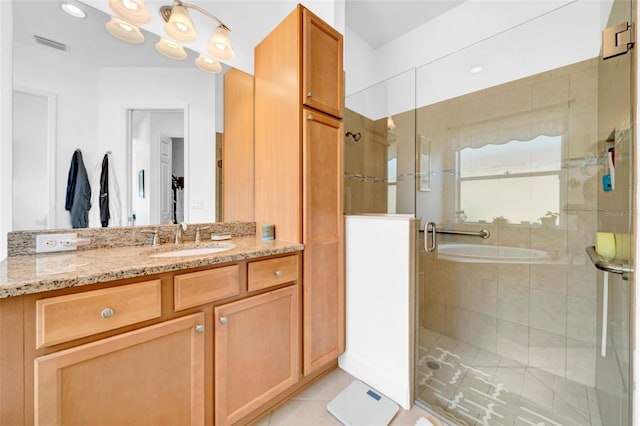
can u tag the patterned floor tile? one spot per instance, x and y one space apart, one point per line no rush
478 387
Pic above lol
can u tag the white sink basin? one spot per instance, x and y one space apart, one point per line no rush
197 251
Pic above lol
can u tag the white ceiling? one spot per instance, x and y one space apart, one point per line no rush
86 39
375 21
378 22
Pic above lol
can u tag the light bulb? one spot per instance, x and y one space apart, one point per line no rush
124 30
73 10
208 65
171 50
131 5
179 25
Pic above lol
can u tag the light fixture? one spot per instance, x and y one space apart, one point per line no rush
132 11
180 27
220 45
171 49
207 64
124 30
476 69
73 10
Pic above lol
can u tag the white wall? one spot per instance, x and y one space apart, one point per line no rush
380 271
76 86
475 33
30 160
6 88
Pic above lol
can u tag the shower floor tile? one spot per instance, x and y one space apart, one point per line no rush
471 386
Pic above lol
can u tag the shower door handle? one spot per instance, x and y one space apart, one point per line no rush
434 237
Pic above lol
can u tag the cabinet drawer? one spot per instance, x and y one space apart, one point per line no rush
198 288
63 318
266 273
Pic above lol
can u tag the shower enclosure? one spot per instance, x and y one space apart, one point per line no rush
518 327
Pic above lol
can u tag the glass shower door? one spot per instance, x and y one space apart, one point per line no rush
615 203
510 327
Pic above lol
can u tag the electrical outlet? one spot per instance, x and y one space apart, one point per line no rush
47 243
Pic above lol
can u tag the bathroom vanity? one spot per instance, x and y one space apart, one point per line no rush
122 334
137 335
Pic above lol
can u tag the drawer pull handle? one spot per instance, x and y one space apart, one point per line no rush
199 328
107 313
224 320
310 117
309 94
278 272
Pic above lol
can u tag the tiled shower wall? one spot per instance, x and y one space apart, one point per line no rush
540 314
365 164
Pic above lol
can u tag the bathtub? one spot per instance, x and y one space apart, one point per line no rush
484 253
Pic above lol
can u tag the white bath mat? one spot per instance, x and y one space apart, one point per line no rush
359 405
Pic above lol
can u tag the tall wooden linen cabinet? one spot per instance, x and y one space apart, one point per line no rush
299 167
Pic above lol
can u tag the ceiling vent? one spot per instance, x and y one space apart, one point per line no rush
50 43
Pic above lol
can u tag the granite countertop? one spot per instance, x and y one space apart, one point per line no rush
22 275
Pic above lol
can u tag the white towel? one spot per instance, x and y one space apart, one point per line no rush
115 208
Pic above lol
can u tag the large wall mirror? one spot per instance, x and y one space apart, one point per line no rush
76 87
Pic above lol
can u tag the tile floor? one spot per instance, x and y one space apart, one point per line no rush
467 385
309 407
471 386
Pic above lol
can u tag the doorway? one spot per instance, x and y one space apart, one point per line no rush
157 152
33 160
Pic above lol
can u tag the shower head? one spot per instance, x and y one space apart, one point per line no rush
356 136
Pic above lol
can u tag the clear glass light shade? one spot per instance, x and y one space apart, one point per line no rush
124 30
171 49
133 11
179 25
220 45
208 65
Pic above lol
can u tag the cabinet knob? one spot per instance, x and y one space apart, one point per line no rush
107 313
278 272
224 320
309 94
199 328
310 117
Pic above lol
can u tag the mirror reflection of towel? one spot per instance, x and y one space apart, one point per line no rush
111 190
78 199
104 192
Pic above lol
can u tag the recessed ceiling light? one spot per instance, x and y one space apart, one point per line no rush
476 69
73 10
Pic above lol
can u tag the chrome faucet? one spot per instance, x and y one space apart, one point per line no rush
180 228
154 240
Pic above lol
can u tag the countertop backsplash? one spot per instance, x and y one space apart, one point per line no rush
23 243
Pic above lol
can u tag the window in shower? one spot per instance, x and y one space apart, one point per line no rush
517 181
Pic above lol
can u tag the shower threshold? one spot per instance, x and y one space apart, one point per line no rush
467 385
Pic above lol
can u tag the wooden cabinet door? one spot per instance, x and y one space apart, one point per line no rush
154 375
257 352
237 149
323 257
322 74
